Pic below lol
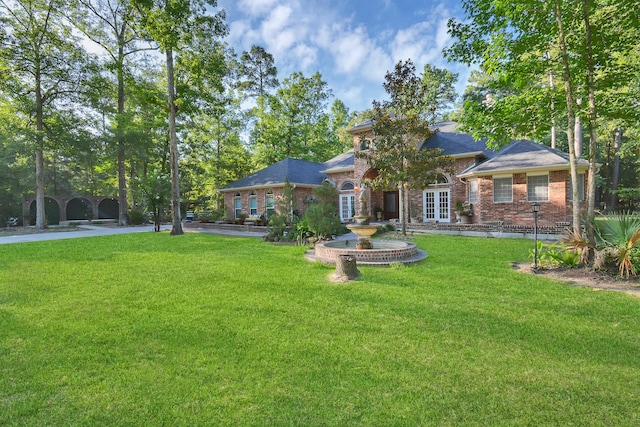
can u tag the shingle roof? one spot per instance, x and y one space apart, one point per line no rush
339 163
297 171
454 143
364 125
522 156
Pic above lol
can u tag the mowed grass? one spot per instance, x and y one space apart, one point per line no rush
152 329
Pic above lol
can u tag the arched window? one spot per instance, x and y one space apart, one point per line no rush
238 205
253 204
440 181
270 203
347 186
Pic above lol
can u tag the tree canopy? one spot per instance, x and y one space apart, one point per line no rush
399 126
550 63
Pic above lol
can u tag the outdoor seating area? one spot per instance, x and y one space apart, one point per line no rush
254 220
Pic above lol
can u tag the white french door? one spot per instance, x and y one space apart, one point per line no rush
347 206
436 205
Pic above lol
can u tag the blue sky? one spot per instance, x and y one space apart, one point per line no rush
351 43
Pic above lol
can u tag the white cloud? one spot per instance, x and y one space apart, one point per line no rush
256 8
306 58
354 53
412 43
335 38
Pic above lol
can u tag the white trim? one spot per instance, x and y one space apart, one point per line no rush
472 173
438 215
465 155
263 186
338 170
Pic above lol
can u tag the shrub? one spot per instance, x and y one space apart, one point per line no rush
277 228
321 216
137 217
550 255
619 242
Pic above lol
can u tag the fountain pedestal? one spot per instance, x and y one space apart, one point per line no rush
364 233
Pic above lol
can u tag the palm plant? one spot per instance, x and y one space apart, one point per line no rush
619 236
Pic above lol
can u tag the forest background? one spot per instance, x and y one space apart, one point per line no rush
164 93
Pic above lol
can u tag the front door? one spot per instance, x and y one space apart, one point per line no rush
391 205
436 205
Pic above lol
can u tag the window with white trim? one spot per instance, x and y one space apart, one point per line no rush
503 190
538 188
473 191
270 203
253 204
238 205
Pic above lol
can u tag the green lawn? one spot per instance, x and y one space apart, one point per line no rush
152 329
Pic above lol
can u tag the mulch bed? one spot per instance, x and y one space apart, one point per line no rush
585 277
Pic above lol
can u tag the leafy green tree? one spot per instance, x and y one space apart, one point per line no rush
184 27
17 171
155 191
522 45
321 215
214 154
44 67
286 215
440 93
294 122
400 124
111 24
341 119
257 72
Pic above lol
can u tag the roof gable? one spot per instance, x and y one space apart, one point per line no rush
340 163
522 156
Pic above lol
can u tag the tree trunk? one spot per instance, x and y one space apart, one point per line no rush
566 72
176 228
553 119
404 215
577 134
122 178
40 214
593 169
346 269
615 175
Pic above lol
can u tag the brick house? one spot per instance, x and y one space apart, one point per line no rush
498 186
255 195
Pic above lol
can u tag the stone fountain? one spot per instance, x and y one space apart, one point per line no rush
366 252
362 228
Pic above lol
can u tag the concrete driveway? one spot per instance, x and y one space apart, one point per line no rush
85 231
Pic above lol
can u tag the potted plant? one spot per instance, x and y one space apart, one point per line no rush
464 210
378 212
241 219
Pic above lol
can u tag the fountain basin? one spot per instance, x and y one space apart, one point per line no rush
362 230
385 252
